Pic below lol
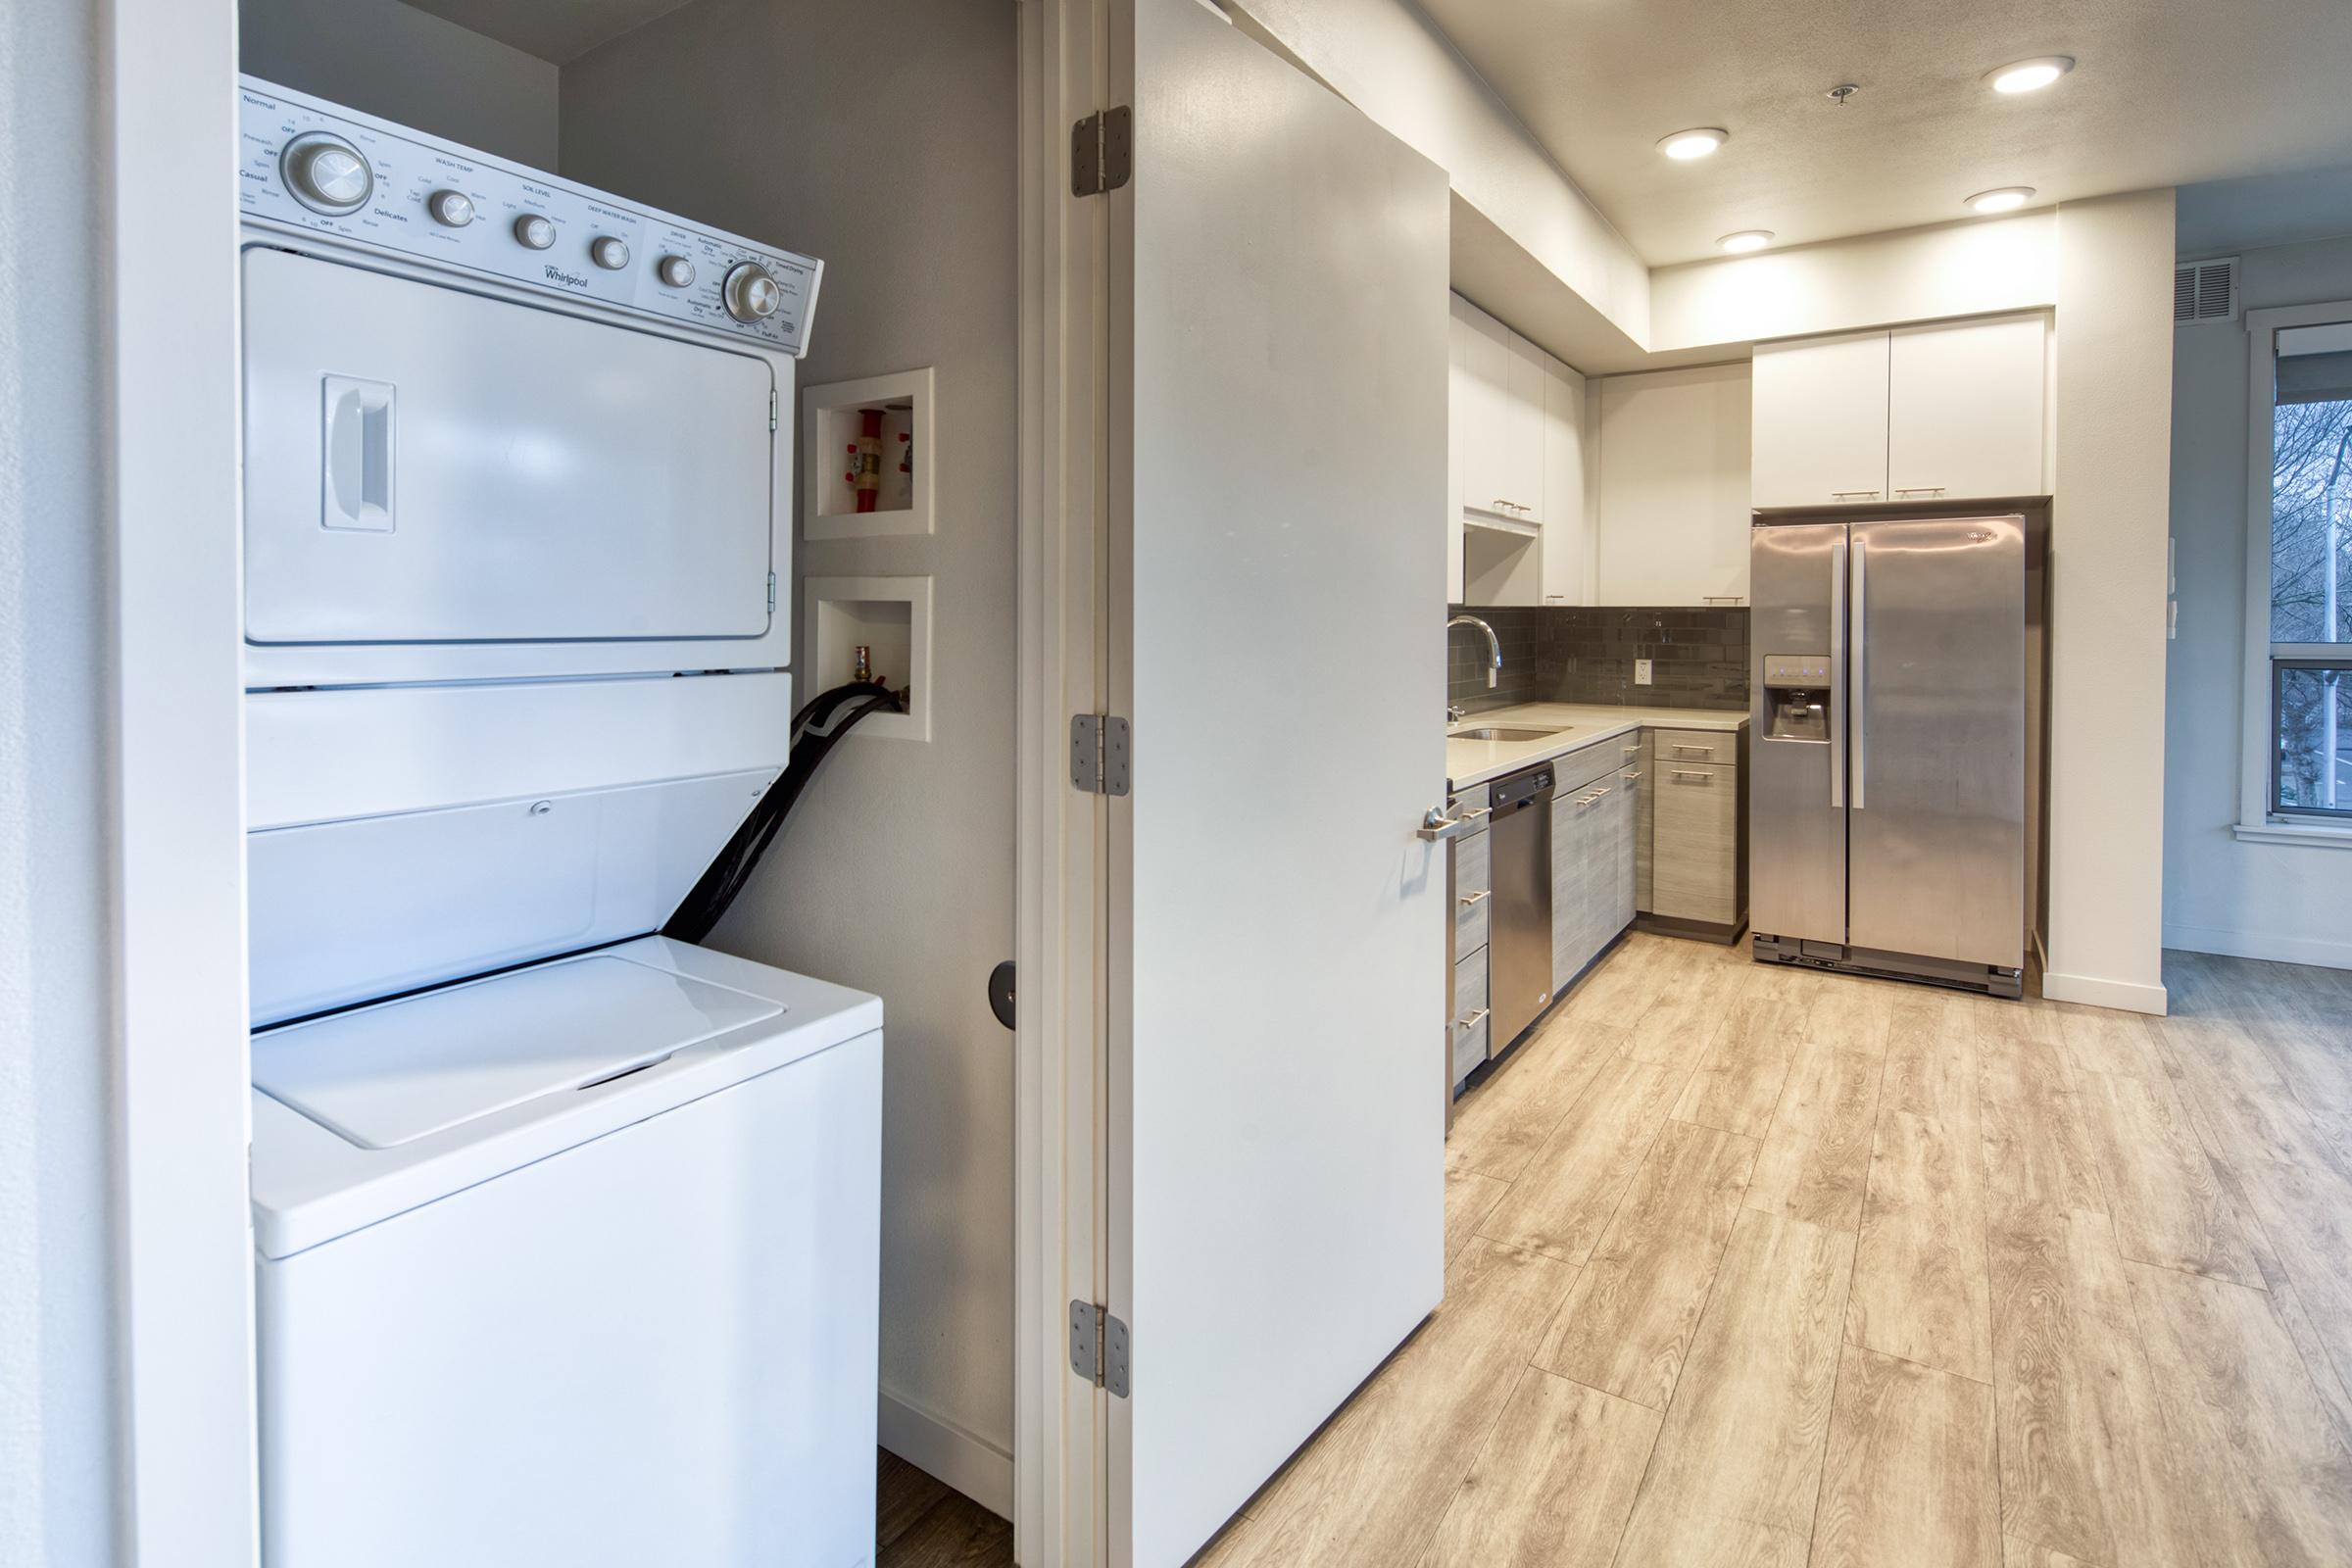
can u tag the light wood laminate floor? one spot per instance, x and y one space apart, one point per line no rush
1758 1267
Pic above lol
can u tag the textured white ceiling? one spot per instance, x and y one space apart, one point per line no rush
2166 92
560 30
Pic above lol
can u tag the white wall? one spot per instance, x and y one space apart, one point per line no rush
407 66
58 1459
2265 900
2107 600
1387 58
883 140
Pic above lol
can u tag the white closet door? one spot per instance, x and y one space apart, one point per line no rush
1965 419
1820 432
1275 1061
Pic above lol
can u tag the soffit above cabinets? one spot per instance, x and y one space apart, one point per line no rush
2162 96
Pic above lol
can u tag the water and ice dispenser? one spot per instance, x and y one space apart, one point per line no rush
1796 689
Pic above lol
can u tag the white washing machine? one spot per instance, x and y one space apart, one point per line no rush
566 1233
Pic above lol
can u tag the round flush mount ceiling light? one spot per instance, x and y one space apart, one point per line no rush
2008 199
1684 145
2029 76
1747 239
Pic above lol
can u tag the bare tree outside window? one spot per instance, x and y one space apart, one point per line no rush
2311 600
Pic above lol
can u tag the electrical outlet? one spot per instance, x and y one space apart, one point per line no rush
1641 672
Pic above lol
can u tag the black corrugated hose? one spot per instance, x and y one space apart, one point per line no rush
829 716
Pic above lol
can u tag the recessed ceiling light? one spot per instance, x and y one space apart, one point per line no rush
2029 76
1684 145
2008 199
1747 239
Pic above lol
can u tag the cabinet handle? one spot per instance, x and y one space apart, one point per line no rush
1704 750
1922 490
1472 1021
1853 494
1478 898
1724 599
1630 779
1704 778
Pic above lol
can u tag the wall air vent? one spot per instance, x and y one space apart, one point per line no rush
2205 291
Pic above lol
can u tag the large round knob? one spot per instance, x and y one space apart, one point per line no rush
675 270
326 174
451 209
610 252
535 231
752 293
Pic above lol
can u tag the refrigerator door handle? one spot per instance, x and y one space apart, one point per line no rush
1861 673
1837 672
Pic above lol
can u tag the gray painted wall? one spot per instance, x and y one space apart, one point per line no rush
395 61
57 1460
2221 896
883 140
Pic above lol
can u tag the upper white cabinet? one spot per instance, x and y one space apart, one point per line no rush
1926 413
1517 530
1519 488
1674 487
1567 546
1965 409
1820 431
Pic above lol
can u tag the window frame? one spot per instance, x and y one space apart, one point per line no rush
2258 814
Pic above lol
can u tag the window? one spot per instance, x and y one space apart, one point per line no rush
2302 553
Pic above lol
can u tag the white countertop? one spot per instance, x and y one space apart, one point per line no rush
1573 724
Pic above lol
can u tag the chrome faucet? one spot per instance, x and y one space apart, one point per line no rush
1494 645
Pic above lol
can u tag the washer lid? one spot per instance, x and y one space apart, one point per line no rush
385 1075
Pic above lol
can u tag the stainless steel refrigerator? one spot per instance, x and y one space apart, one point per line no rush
1887 829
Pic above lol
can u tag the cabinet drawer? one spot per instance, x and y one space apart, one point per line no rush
1472 911
1695 811
1578 768
1719 747
1469 1014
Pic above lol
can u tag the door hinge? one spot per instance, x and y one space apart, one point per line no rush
1101 151
1098 1346
771 411
1099 753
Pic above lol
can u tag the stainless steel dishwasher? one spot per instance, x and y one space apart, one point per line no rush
1519 840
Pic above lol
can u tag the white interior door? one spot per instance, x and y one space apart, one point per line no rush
1278 934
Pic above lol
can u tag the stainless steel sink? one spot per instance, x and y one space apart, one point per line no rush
1490 734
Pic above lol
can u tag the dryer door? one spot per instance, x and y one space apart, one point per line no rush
424 465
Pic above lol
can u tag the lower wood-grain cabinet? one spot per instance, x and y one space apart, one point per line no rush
1694 855
1593 853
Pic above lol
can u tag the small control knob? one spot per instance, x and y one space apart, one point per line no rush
451 209
752 293
610 252
326 174
675 270
535 231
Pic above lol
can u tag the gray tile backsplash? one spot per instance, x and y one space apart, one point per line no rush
1586 655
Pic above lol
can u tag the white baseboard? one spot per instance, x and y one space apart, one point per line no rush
2128 994
2256 944
939 1448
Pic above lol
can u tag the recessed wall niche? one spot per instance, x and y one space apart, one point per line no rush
895 415
891 619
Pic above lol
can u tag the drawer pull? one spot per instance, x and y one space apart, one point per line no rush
1471 901
1853 494
1633 777
1704 750
1921 490
1470 1022
1704 778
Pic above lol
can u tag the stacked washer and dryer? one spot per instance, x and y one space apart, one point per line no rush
566 1233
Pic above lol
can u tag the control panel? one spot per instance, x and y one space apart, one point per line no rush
308 166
